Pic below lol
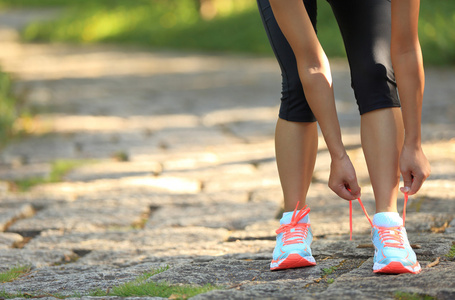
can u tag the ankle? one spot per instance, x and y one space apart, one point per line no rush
386 208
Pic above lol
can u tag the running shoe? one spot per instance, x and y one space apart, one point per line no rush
293 242
393 254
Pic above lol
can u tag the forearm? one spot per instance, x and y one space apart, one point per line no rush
407 63
317 84
411 81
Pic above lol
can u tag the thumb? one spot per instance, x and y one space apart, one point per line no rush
407 180
354 188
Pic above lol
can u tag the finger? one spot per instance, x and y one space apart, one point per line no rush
354 188
405 189
407 180
343 192
416 185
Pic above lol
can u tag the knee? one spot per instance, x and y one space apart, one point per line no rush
370 73
374 86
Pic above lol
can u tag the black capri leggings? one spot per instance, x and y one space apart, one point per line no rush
365 27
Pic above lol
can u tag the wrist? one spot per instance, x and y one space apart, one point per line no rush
338 154
412 142
412 136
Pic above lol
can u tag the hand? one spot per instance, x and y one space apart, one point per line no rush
414 168
343 180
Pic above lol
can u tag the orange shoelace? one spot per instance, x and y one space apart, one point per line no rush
392 235
385 233
295 232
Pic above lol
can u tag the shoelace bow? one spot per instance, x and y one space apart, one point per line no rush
392 234
300 229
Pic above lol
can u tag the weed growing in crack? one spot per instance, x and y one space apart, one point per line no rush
5 295
328 271
411 296
141 287
14 273
451 253
138 287
59 169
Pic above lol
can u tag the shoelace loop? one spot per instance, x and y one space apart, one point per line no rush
294 232
371 223
392 236
295 236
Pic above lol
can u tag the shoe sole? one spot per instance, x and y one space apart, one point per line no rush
396 267
295 261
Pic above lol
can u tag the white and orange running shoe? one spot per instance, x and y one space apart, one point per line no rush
293 241
393 254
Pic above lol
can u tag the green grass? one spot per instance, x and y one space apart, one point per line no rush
5 295
437 31
14 273
136 288
142 287
451 253
59 169
411 296
328 271
177 24
8 109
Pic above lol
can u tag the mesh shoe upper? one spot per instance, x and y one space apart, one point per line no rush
393 253
392 245
293 242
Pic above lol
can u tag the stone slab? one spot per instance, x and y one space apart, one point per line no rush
430 281
36 258
98 298
228 272
128 257
8 239
172 239
193 138
81 216
437 189
11 212
253 131
286 290
451 228
152 184
71 279
232 216
24 171
36 150
111 169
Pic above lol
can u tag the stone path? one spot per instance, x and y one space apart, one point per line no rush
197 189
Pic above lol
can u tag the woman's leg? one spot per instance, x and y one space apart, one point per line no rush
365 26
382 140
366 29
296 145
314 71
296 139
296 133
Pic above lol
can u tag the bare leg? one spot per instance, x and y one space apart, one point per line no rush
296 145
314 73
382 140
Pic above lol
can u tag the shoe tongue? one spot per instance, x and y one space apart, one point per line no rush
387 219
287 217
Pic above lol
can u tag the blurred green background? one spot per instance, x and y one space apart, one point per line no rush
210 25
